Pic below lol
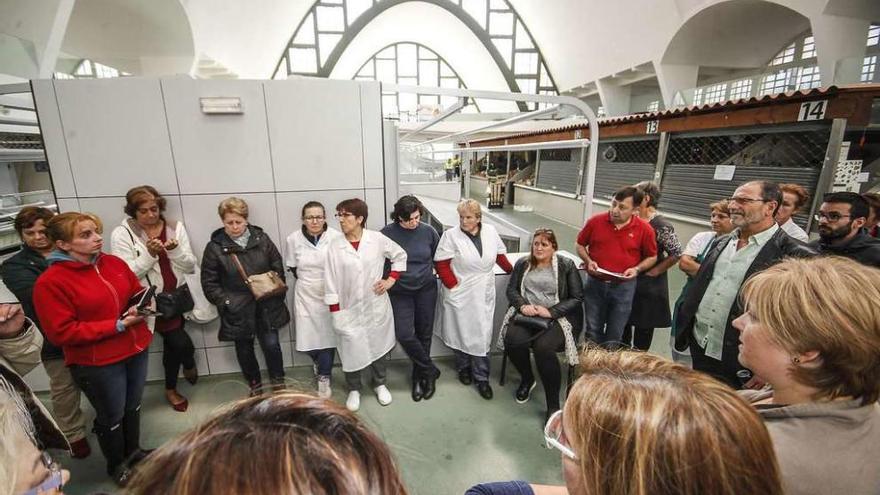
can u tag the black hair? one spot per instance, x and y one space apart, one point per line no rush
651 190
629 192
858 207
405 207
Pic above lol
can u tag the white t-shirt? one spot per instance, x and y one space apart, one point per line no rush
698 243
795 231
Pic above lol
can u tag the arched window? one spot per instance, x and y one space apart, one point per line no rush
330 25
411 64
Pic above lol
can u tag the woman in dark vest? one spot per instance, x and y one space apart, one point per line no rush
650 308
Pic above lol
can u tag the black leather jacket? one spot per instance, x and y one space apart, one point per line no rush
862 248
225 288
571 290
779 246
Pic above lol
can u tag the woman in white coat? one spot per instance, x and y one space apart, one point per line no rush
465 261
358 298
306 255
159 253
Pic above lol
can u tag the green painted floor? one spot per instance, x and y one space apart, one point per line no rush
442 446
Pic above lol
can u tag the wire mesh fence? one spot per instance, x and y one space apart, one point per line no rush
804 148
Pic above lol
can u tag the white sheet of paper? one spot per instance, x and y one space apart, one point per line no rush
606 272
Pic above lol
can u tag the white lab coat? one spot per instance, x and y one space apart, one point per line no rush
469 307
364 324
314 329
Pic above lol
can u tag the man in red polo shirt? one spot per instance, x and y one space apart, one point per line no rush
615 245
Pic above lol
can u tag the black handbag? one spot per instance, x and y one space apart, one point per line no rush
538 323
175 303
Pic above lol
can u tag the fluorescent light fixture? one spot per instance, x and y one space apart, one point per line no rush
221 105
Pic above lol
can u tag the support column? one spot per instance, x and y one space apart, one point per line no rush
56 37
840 47
673 78
615 98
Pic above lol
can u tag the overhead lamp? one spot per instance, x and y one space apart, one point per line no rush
221 105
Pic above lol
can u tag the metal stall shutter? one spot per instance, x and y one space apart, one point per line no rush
623 162
783 154
558 170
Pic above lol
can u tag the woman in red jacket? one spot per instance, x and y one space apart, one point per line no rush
81 300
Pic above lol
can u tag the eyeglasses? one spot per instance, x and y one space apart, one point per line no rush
543 231
54 481
344 214
553 435
831 216
314 218
742 200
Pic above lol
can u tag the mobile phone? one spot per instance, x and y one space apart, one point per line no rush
141 301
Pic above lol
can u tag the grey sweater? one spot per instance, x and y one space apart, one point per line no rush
824 447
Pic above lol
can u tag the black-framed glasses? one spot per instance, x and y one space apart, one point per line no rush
831 216
344 214
742 200
55 480
314 218
543 231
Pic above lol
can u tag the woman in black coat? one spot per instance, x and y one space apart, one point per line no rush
241 316
547 290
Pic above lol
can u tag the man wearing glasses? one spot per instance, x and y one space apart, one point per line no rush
712 304
840 219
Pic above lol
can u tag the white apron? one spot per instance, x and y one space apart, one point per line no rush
469 307
364 324
314 329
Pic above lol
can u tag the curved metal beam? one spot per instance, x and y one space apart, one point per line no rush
361 22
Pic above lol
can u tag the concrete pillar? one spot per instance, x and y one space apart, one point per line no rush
673 78
56 37
615 97
840 47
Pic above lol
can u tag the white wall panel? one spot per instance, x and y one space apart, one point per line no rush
371 128
218 153
378 217
201 216
67 204
315 134
209 333
53 138
116 135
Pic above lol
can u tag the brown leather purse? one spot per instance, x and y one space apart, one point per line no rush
262 285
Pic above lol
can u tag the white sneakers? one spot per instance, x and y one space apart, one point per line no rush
353 403
383 395
324 390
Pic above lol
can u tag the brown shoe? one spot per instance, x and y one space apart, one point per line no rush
80 449
191 375
178 402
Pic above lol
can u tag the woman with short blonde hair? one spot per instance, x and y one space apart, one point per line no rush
238 243
464 261
233 205
811 330
638 424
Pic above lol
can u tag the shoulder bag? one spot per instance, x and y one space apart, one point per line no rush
537 323
169 304
262 285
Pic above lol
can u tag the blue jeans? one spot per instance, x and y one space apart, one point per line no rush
115 391
607 306
247 358
323 359
477 365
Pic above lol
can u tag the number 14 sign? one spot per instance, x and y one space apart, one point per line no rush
813 110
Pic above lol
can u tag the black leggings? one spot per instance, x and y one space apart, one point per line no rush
638 338
545 348
177 351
